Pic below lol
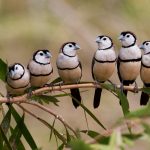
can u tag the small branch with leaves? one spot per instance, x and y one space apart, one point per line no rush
50 89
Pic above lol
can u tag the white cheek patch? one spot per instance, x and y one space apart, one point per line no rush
42 59
69 52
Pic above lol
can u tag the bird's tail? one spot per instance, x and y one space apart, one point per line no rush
97 97
75 93
144 98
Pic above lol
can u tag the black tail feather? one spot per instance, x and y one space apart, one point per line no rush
144 98
76 94
97 97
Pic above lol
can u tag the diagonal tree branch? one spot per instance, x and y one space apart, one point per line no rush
54 114
41 120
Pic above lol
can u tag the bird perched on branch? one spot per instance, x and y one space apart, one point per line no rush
18 79
129 59
145 71
40 68
69 68
103 64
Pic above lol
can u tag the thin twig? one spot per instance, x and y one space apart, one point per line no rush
120 127
24 97
54 114
38 118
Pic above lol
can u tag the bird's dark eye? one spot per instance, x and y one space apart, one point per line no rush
104 39
41 54
70 45
16 68
147 44
128 36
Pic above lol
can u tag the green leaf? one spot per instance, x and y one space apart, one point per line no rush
46 99
68 135
142 112
8 146
123 99
89 112
146 90
61 137
24 130
1 141
100 147
104 140
57 80
51 132
96 136
124 102
93 116
5 124
132 136
90 133
128 141
3 70
20 144
113 140
16 134
56 138
61 147
147 128
79 145
109 87
62 95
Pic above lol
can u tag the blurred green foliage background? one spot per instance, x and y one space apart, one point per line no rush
26 26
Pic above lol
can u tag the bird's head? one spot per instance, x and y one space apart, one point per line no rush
70 48
16 71
145 46
42 56
127 38
104 42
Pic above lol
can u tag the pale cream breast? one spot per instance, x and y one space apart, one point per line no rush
18 83
145 74
18 91
129 70
70 76
103 71
39 81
